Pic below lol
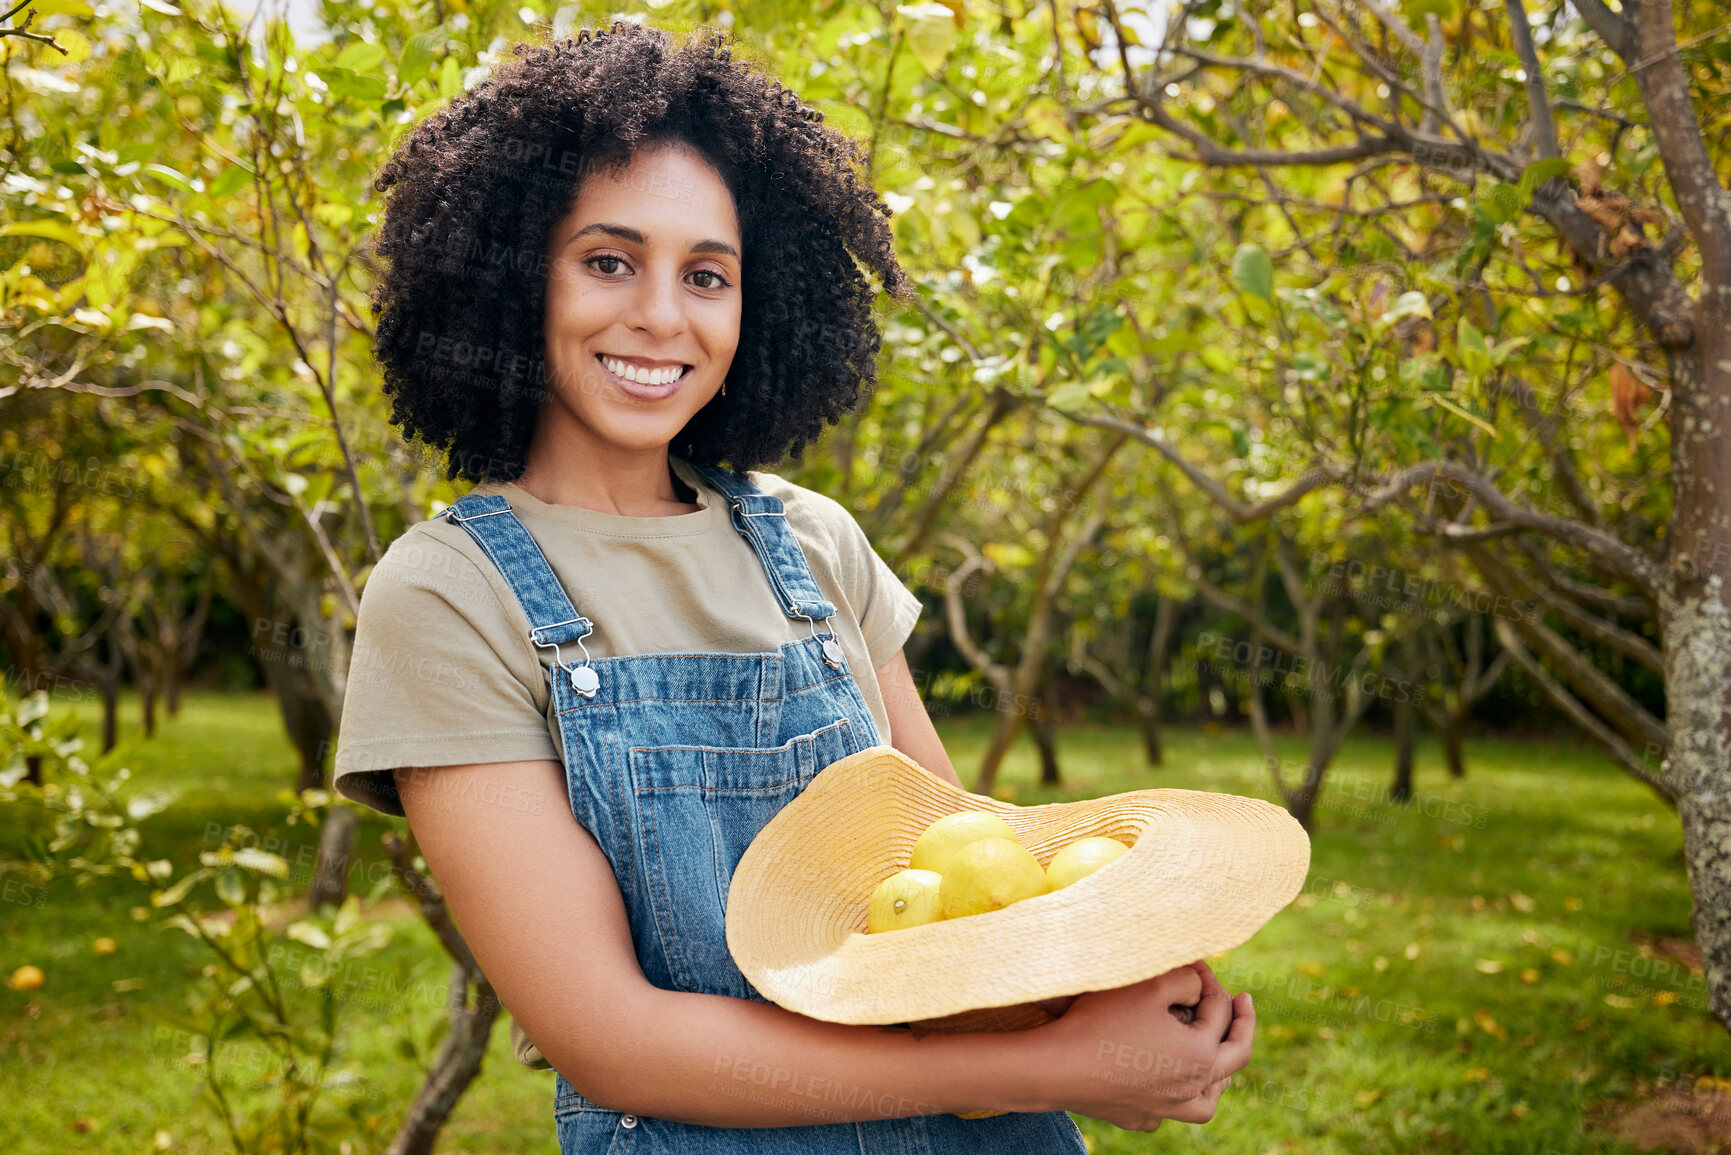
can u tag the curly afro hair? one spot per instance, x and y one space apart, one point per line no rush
476 189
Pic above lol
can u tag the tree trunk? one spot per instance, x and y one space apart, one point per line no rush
1403 751
1004 732
465 1047
1045 727
336 857
1148 706
306 712
305 719
459 1061
1148 719
110 689
1452 735
1405 716
1695 617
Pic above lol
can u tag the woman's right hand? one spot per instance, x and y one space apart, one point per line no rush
1163 1048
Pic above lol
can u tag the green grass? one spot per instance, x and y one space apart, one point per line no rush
1441 985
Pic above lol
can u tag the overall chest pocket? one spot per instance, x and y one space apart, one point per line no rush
699 808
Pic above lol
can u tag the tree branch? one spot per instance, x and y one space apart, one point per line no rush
1580 715
1538 103
1703 201
1238 511
1625 642
1621 559
956 613
1616 31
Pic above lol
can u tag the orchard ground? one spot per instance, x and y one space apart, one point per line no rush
1501 964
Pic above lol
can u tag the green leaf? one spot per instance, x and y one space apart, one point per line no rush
48 229
147 802
344 83
1503 202
179 890
309 933
929 30
418 53
168 176
231 179
1413 304
230 886
1540 171
1458 411
261 861
1069 397
1253 271
1475 357
360 56
1217 359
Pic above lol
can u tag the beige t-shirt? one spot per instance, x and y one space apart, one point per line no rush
443 672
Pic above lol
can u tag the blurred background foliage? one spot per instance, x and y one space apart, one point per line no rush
1206 294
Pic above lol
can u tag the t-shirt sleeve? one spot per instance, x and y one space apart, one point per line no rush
438 675
887 609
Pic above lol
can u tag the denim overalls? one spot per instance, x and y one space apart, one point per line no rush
674 762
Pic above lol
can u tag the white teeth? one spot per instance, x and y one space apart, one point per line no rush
644 376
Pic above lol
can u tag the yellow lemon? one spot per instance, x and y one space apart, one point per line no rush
27 978
989 874
1082 858
938 845
906 898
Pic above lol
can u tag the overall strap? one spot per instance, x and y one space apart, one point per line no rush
552 618
761 520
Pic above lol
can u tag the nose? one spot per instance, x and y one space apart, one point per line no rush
657 309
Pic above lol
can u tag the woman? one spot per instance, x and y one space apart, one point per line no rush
612 266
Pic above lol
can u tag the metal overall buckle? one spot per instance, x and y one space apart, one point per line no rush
832 652
584 679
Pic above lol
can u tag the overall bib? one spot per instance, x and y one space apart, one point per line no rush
674 762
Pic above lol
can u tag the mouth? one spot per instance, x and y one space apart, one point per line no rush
647 383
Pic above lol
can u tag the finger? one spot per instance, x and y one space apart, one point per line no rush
1214 1014
1206 972
1198 1110
1236 1047
1182 986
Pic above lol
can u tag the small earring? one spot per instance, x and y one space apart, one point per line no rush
724 387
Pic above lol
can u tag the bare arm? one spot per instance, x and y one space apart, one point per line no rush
911 729
549 929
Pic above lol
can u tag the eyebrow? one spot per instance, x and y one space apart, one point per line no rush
626 233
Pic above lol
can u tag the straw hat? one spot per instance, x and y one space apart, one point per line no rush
1204 872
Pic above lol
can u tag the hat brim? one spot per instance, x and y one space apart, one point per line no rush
1203 874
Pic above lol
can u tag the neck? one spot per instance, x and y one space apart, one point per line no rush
564 470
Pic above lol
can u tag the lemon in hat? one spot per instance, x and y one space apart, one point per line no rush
944 838
990 874
1082 858
906 898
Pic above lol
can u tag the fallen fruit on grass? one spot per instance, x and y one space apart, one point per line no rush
27 978
990 874
949 834
906 898
1082 858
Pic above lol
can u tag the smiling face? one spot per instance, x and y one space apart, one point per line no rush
643 304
